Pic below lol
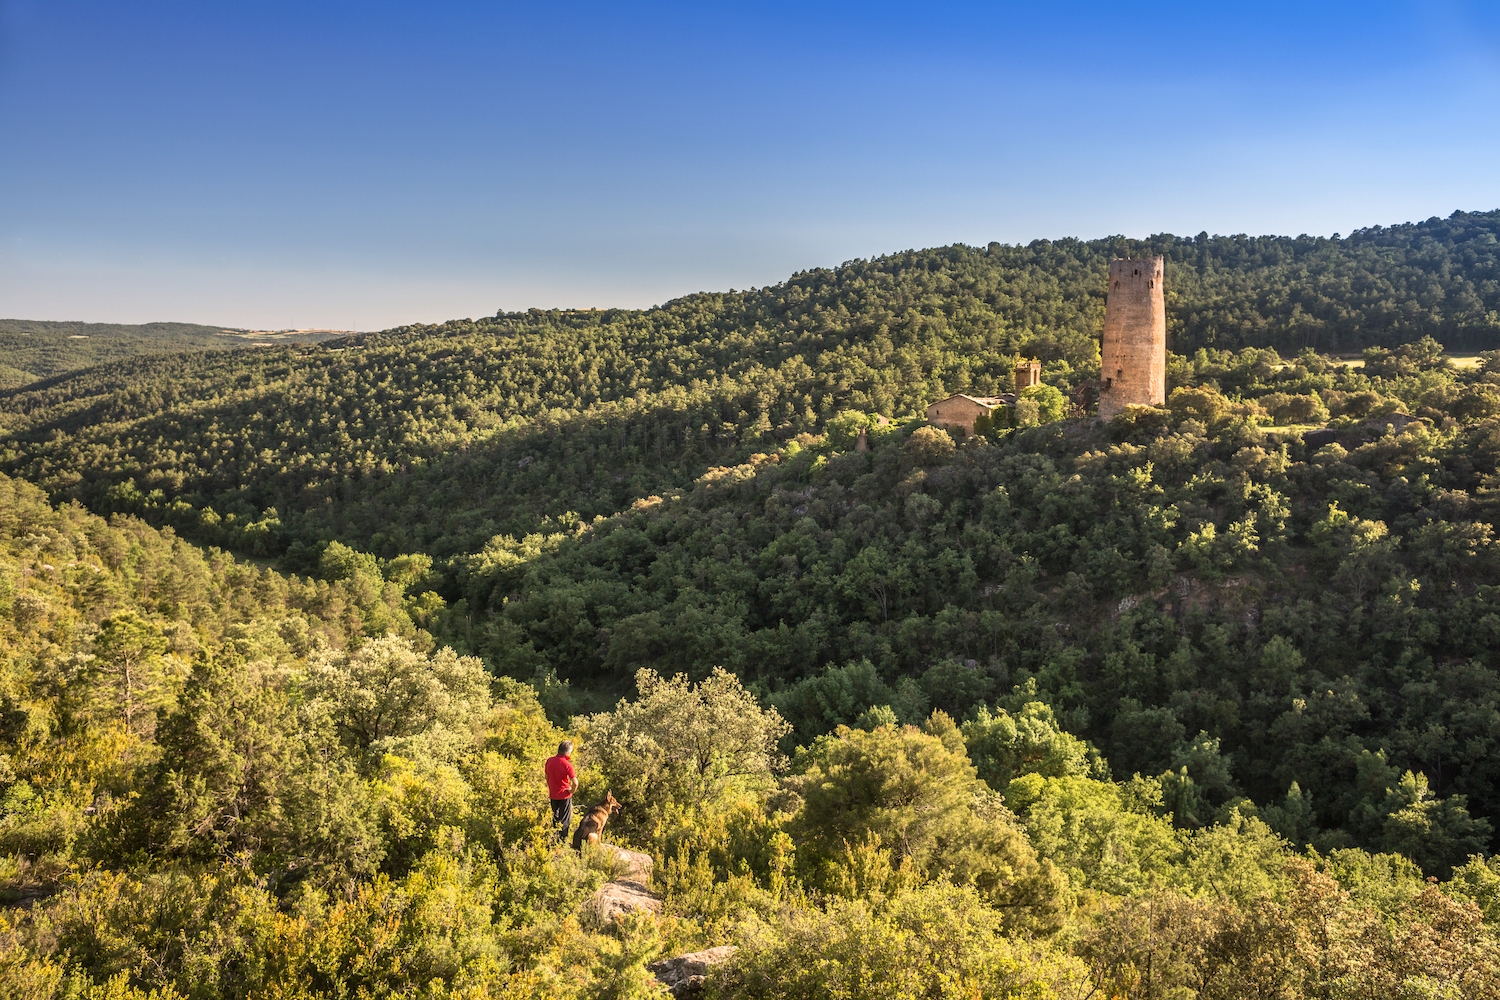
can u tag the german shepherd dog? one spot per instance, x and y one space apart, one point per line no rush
591 828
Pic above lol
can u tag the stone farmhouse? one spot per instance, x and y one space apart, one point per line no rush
958 413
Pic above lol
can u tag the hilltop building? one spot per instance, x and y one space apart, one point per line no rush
959 412
1133 354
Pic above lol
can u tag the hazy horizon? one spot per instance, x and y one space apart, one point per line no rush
605 305
362 166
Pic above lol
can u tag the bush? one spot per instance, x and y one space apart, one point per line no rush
1040 404
1201 403
918 796
938 941
1294 409
1004 746
928 446
389 697
682 747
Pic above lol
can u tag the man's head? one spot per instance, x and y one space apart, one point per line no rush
565 748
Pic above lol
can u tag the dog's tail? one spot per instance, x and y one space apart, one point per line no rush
578 835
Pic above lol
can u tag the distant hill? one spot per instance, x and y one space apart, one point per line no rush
435 438
38 349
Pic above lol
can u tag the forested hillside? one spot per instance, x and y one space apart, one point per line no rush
437 438
39 349
219 782
1199 702
1198 588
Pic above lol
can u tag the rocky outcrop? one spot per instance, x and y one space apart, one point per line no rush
684 975
638 866
628 892
616 899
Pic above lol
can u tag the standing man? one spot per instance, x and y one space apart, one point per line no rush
562 782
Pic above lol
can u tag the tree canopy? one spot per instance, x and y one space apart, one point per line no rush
1199 702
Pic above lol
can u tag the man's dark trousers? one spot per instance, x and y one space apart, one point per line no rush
562 817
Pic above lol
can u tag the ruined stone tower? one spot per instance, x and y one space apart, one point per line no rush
1133 356
1028 373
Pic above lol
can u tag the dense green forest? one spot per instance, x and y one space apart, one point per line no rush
1199 588
39 349
437 438
219 781
1199 702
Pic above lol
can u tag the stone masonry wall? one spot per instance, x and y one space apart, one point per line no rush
956 413
1133 369
1028 373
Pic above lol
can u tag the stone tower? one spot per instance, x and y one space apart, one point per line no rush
1028 373
1133 356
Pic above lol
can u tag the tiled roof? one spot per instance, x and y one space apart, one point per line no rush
989 401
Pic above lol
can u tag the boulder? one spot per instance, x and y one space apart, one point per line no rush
637 866
615 899
684 975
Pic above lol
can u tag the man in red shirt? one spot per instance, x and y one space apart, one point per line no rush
562 782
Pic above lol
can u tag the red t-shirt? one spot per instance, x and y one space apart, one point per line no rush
559 777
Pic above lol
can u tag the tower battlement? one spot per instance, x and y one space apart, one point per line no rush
1133 354
1028 373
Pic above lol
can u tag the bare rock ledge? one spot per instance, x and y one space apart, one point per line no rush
638 866
684 975
616 899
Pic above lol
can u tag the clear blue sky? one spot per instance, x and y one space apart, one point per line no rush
364 164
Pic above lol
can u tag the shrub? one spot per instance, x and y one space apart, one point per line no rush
929 446
937 941
919 797
1294 409
680 747
389 697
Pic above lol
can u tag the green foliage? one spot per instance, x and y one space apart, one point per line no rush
929 446
436 438
1435 833
1152 580
254 840
844 428
240 774
386 697
1479 881
681 747
222 841
1105 837
1005 746
218 780
1314 941
36 349
127 673
1040 404
916 794
934 941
